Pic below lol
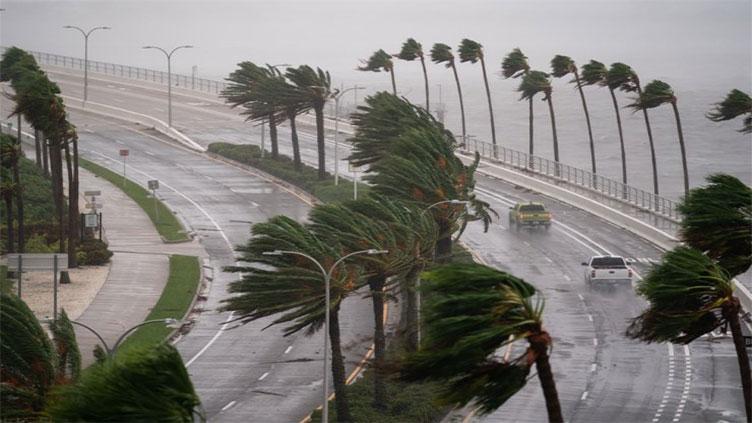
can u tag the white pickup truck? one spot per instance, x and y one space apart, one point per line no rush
607 270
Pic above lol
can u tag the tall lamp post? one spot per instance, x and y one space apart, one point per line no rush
169 77
337 97
86 54
327 278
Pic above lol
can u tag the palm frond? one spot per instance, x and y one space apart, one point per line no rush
735 104
69 356
410 51
655 94
470 51
562 66
622 77
379 61
534 82
594 73
514 64
442 53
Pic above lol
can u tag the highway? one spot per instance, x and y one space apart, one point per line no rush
245 374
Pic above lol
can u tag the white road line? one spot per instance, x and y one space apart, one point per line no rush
209 344
229 404
584 396
595 342
149 153
567 277
593 367
581 297
290 347
670 349
686 350
548 259
264 376
590 317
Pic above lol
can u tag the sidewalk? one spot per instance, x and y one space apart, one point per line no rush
139 269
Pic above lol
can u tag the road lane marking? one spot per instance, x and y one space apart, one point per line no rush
581 297
229 404
593 367
264 376
209 344
548 259
584 396
590 317
567 277
595 342
289 348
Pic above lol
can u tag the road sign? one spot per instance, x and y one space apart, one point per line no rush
154 184
352 168
32 262
91 220
124 152
93 206
92 193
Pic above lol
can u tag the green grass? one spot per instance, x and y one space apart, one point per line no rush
283 167
6 285
176 297
168 225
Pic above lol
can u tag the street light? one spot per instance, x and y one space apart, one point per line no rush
453 202
327 278
169 322
336 130
169 77
86 54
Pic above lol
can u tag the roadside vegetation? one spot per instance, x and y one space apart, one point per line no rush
167 224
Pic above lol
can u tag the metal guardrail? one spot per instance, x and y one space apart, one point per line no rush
132 72
605 187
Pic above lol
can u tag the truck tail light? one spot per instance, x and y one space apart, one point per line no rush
629 273
592 273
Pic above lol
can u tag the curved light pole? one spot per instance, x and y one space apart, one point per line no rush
336 129
111 351
169 77
443 202
327 278
86 54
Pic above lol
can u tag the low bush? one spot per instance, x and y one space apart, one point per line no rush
93 252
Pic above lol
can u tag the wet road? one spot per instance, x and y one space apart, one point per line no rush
600 374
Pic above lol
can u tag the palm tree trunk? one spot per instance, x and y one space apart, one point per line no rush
553 128
37 149
425 79
73 216
652 146
587 120
412 314
45 155
731 313
539 344
621 140
444 244
19 197
394 83
462 104
273 136
376 284
490 105
56 169
319 111
681 145
338 368
8 197
295 142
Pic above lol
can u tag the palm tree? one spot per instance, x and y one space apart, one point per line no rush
515 65
471 51
68 355
28 365
380 60
535 82
617 76
293 288
412 50
8 186
442 53
314 86
655 94
146 384
240 91
474 311
690 295
562 66
735 104
633 85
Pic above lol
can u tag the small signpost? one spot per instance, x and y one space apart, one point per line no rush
354 170
32 262
124 153
93 219
154 186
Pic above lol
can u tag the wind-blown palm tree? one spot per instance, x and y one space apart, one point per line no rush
474 311
442 53
146 384
241 91
690 295
535 82
515 65
471 51
735 104
9 153
293 288
314 87
655 94
412 50
562 66
631 86
380 60
617 77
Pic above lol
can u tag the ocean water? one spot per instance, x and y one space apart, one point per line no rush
702 48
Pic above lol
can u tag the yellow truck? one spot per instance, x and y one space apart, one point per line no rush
530 215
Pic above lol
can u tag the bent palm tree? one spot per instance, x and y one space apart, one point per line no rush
412 50
515 65
442 53
735 104
655 94
689 295
293 288
380 60
475 311
314 88
562 66
618 76
633 85
471 51
535 82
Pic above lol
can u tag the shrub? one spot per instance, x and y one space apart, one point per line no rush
93 252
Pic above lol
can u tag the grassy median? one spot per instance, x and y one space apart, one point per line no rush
177 297
168 225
